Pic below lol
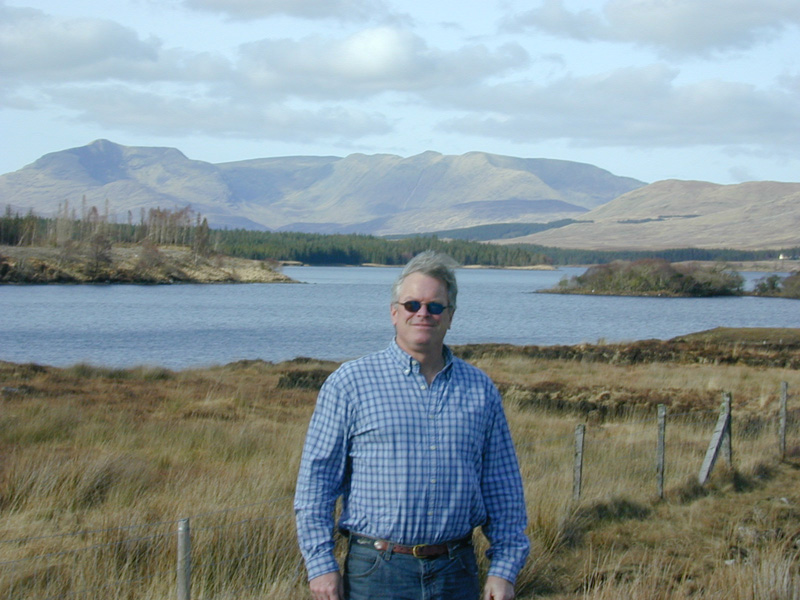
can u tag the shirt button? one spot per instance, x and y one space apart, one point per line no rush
433 447
423 387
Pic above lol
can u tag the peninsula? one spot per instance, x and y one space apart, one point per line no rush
141 264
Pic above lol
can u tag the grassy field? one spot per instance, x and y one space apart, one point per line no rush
98 465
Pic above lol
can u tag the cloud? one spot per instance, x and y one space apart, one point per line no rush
371 61
341 10
672 27
121 108
637 107
740 173
33 44
342 85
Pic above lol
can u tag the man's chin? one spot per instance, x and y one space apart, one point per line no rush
422 341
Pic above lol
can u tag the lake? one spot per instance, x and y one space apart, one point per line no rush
337 313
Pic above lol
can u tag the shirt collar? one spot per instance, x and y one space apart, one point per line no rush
411 365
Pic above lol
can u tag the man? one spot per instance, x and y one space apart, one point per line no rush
416 443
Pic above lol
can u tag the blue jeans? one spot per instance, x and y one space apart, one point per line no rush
370 574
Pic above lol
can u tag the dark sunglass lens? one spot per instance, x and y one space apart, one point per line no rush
412 305
435 308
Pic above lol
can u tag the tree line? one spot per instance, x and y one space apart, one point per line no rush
184 227
83 225
356 249
73 230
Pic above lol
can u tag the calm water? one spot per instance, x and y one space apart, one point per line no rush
338 313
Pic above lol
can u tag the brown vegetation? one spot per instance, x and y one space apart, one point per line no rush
99 262
97 450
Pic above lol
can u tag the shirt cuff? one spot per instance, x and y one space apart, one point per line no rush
507 571
319 565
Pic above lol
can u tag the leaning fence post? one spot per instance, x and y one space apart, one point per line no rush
661 448
727 438
577 470
184 560
720 441
782 419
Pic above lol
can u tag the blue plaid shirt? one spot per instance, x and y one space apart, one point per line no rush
414 463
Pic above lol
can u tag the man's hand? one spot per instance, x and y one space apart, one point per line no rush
497 588
327 587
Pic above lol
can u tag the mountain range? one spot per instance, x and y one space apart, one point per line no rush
385 194
378 194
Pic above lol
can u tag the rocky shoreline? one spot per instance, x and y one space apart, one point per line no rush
129 264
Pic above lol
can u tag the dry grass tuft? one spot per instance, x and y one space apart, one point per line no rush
99 464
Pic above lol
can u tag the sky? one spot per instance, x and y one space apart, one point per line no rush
652 89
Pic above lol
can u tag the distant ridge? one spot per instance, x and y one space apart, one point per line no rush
679 214
379 194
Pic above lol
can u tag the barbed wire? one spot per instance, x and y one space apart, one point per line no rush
286 550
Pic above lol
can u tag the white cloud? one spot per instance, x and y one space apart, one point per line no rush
33 44
642 107
371 61
672 27
342 10
620 77
120 108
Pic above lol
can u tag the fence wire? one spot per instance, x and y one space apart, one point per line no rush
236 552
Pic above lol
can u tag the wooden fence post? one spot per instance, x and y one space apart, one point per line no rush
782 417
720 441
661 448
184 560
727 443
577 469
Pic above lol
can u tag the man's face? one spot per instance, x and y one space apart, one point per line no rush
421 332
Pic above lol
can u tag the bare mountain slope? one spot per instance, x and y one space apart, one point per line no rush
377 194
672 214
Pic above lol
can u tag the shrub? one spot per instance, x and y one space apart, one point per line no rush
775 285
656 276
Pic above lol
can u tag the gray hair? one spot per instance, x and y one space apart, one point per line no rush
433 264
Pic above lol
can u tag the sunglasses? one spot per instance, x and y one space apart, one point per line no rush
434 308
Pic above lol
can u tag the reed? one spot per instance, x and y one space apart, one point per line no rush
100 464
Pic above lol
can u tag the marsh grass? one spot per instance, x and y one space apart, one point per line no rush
98 465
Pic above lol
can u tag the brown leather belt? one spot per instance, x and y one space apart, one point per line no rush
418 551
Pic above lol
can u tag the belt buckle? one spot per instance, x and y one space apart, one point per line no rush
415 549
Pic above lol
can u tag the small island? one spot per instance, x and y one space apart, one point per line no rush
658 277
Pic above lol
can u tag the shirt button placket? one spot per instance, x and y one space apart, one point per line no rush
433 433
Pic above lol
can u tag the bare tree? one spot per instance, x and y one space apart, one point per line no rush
99 254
